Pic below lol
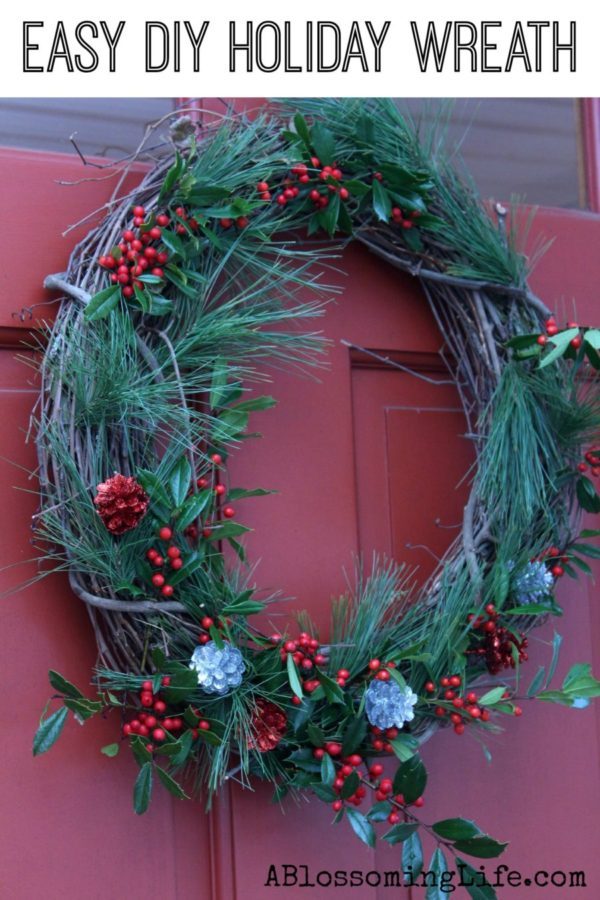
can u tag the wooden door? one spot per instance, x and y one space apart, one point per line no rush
367 458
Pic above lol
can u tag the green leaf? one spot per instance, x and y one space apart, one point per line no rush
142 790
315 735
410 779
382 204
556 644
329 216
586 495
361 827
63 686
493 696
379 811
560 344
404 746
192 508
172 176
482 846
456 829
293 677
180 480
354 735
522 341
323 143
228 530
242 494
302 130
153 485
185 748
247 608
536 682
327 770
174 243
332 690
140 753
171 785
412 856
438 866
110 749
350 785
400 832
102 303
475 889
323 791
159 305
581 564
82 708
587 549
528 609
49 731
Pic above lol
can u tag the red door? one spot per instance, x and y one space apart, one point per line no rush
368 458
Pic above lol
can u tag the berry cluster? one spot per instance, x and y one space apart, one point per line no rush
400 218
460 708
592 462
555 560
171 558
498 646
380 739
139 253
552 329
380 670
151 721
206 623
305 651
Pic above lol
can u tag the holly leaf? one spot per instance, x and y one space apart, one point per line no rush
142 789
379 811
323 142
171 785
180 480
63 686
49 731
492 697
456 829
482 846
412 857
354 735
404 746
586 495
438 866
102 303
382 204
560 344
350 785
400 832
473 886
110 749
361 826
192 508
410 779
293 677
327 770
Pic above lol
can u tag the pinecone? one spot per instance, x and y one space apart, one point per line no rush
121 503
269 723
497 649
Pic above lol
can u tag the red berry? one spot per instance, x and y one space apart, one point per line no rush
173 552
355 760
139 211
315 162
430 687
262 186
177 563
458 703
542 340
475 712
242 221
582 467
147 699
151 553
552 330
165 533
576 342
281 199
159 735
472 697
385 786
225 223
162 220
374 664
393 818
160 707
207 623
220 490
127 728
419 802
204 725
440 711
158 272
383 675
217 459
333 748
229 512
158 561
337 805
444 682
158 580
167 590
557 571
455 681
518 711
314 194
318 753
459 729
376 770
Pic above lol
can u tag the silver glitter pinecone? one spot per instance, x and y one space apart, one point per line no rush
219 670
388 705
533 584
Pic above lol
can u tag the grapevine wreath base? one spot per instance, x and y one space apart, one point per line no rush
172 306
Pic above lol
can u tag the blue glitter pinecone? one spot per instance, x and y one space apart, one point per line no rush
388 705
219 669
533 584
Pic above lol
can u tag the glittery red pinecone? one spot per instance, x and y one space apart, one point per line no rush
500 648
121 503
269 723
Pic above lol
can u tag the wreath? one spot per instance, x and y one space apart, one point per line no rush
149 377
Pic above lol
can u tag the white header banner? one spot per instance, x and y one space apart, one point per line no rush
382 48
